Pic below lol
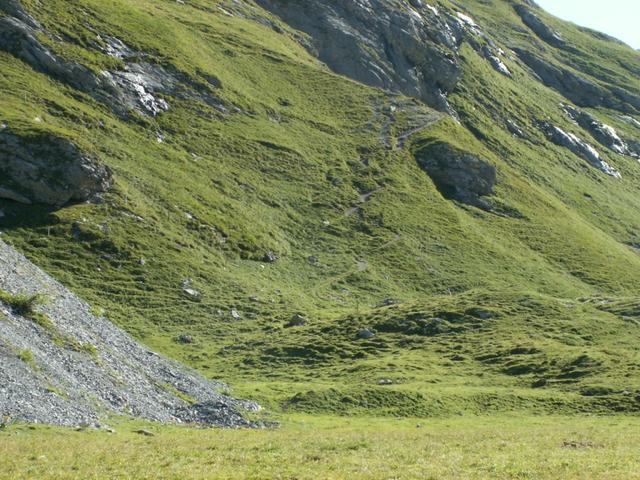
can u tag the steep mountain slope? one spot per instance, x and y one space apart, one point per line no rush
479 217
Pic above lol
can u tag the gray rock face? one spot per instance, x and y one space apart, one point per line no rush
541 29
138 86
383 43
630 120
19 39
14 8
605 134
577 89
578 146
582 92
458 175
495 61
81 368
48 169
514 128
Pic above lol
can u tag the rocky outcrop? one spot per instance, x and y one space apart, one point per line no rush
20 39
630 120
605 134
577 89
577 146
43 168
384 43
496 62
458 175
69 367
581 91
411 47
138 86
514 128
541 29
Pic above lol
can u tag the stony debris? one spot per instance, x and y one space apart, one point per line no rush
114 47
577 146
481 313
44 168
605 134
573 444
458 175
184 338
515 129
387 302
630 120
82 368
192 294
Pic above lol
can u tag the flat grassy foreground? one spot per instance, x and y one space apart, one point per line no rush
311 447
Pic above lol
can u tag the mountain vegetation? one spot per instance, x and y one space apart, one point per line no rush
343 210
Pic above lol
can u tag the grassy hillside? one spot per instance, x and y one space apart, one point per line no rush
315 168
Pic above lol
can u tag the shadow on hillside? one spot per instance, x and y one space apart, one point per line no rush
16 215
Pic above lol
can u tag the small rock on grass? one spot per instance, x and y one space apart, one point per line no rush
297 320
192 294
365 333
270 257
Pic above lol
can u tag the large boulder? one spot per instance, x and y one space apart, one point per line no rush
457 174
44 168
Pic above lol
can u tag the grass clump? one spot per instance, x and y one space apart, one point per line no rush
177 393
22 304
25 306
28 357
